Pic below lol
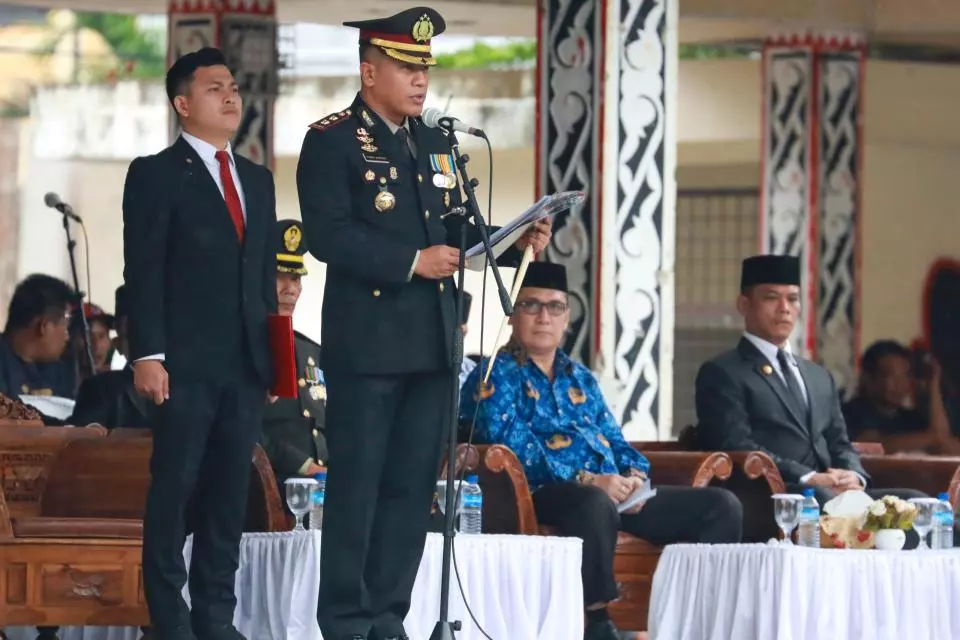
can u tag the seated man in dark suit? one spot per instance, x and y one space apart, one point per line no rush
293 428
549 410
109 398
759 396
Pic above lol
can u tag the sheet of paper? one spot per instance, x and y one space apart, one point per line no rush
53 406
642 494
507 235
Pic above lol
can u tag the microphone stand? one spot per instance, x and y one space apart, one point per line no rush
444 628
71 246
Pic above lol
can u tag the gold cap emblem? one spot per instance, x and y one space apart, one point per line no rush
423 29
291 238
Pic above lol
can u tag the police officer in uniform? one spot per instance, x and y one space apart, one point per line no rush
293 428
375 185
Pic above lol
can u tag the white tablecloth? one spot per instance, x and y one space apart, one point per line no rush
761 592
519 588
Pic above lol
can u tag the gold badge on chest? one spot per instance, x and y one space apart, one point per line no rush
385 201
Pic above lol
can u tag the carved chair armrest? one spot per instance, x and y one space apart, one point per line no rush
756 465
930 474
507 501
688 468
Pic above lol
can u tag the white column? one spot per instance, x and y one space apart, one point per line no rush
608 126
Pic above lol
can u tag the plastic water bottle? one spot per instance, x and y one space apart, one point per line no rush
319 493
471 513
942 534
808 533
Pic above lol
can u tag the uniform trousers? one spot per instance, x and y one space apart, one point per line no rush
384 435
675 514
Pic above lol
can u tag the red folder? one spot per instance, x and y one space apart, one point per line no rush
280 329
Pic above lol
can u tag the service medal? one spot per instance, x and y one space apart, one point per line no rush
313 393
450 180
385 201
439 181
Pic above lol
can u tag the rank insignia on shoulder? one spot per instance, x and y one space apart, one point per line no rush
334 118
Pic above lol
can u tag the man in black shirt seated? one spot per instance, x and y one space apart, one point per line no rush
110 399
35 338
880 412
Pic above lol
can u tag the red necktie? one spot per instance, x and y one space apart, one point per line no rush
230 193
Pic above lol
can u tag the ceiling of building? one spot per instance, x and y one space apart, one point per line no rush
934 22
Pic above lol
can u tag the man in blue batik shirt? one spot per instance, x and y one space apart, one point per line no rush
549 410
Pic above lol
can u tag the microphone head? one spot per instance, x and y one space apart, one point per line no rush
431 117
51 200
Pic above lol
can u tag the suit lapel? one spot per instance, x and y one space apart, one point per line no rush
251 196
765 370
202 184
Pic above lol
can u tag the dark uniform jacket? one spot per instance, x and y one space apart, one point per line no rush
196 294
376 318
743 405
293 429
110 399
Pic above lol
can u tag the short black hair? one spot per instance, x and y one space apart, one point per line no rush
37 295
366 49
879 350
181 73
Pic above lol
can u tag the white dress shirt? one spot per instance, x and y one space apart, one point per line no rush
208 154
769 351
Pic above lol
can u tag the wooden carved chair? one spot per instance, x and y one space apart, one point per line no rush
508 508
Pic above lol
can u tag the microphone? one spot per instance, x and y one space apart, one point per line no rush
434 118
53 201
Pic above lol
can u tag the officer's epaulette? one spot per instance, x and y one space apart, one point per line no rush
334 118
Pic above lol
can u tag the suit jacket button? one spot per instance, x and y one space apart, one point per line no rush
376 293
301 382
315 433
441 287
426 214
419 177
306 413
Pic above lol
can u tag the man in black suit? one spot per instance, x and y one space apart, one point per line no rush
110 399
760 396
375 185
200 272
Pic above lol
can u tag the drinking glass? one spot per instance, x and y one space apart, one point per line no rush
786 511
923 521
300 498
442 500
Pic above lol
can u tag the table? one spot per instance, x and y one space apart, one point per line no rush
766 592
519 587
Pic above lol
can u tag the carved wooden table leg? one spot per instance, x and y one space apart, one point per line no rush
147 633
48 633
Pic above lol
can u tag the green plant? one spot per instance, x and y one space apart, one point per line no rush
485 56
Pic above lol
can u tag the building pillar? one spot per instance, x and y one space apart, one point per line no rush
606 93
246 32
810 195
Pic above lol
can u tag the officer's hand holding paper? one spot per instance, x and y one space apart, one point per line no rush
507 235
